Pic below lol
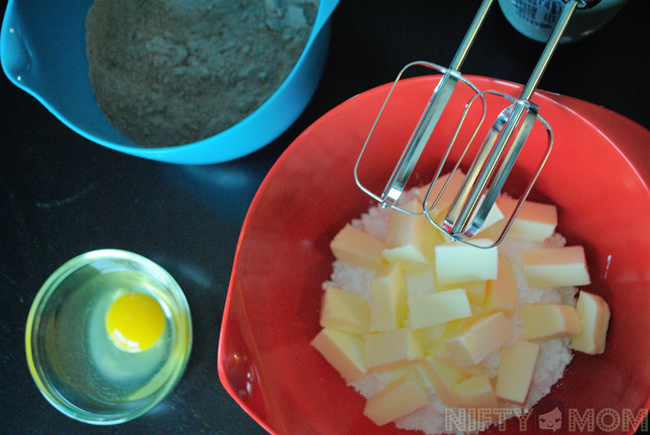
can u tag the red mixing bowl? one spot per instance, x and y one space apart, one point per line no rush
597 175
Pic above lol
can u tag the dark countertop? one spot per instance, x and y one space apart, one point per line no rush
61 195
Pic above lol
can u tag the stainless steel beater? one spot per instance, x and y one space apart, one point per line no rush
498 152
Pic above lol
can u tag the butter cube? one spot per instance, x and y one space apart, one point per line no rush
389 347
345 311
476 392
535 221
501 293
358 248
458 263
388 308
410 238
343 350
548 321
477 370
420 281
475 290
555 267
447 196
452 329
432 335
443 376
494 215
455 327
439 349
479 340
397 399
437 308
594 314
394 371
516 371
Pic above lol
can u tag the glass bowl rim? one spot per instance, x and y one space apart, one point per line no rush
49 288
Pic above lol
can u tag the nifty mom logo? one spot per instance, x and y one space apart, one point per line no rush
548 417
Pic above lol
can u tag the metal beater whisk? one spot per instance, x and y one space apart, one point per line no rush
496 155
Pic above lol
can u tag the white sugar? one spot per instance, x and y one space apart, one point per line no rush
375 222
351 278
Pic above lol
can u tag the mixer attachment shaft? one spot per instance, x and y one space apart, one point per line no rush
497 154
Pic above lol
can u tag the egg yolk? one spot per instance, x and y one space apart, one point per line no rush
135 322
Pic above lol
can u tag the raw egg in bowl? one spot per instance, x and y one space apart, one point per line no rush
597 176
108 336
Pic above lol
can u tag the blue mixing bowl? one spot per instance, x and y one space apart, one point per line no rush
43 51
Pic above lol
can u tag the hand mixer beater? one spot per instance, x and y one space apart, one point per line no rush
495 157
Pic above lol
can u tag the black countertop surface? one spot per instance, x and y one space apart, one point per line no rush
61 195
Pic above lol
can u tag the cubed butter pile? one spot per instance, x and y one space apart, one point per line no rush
436 310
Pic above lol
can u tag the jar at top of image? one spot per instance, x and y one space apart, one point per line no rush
536 18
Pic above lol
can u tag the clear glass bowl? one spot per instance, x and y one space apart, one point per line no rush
70 354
